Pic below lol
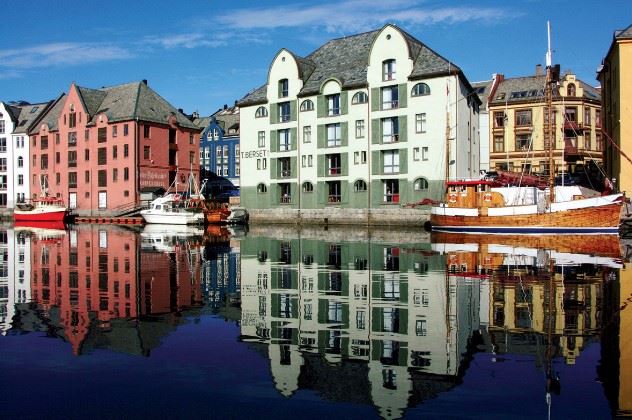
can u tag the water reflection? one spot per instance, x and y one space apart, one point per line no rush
111 287
383 318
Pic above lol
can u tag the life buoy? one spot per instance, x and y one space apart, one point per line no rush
487 196
452 197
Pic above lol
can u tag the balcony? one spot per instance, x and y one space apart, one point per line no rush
570 147
334 171
573 126
286 199
284 118
332 199
390 138
286 173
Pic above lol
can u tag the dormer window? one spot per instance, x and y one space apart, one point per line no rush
333 104
570 89
283 88
388 69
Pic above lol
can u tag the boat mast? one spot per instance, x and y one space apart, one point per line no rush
549 113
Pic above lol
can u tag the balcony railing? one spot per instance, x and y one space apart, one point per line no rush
286 173
390 104
570 147
284 117
286 199
333 198
390 138
334 171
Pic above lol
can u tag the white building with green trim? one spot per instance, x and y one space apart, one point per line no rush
360 124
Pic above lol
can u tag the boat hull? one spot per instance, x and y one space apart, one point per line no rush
37 215
174 218
602 219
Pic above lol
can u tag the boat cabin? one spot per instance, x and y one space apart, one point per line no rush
472 194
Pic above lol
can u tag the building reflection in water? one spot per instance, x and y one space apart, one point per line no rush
102 286
385 321
398 323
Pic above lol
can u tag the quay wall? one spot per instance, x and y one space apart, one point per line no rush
339 216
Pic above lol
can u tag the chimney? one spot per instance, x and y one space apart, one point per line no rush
145 82
538 70
181 111
225 106
196 114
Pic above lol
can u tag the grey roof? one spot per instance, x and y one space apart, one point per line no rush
624 33
228 119
28 115
51 117
202 122
346 59
482 89
130 101
531 89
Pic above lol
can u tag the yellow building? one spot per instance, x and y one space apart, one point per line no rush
518 133
615 76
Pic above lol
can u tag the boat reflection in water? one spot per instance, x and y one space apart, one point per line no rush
376 319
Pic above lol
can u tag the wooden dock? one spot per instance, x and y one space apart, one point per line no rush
111 220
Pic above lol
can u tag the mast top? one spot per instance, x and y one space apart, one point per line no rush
548 58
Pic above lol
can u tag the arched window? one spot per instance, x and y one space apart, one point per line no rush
20 162
261 112
360 98
420 184
420 89
570 89
307 105
359 185
261 188
308 187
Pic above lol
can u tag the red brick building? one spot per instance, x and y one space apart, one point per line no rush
99 148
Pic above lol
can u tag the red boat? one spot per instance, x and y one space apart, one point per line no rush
43 209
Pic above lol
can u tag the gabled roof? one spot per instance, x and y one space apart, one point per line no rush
346 59
51 116
131 101
29 115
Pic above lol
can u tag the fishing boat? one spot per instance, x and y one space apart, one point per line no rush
482 206
177 208
44 209
172 209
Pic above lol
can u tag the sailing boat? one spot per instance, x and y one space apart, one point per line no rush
482 206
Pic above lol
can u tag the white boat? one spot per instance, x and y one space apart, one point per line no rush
171 209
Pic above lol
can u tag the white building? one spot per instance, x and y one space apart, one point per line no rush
15 121
360 123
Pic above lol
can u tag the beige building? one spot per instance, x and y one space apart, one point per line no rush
616 82
518 130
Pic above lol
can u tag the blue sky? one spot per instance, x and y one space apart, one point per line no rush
200 55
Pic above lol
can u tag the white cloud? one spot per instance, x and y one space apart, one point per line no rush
355 15
60 54
199 39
